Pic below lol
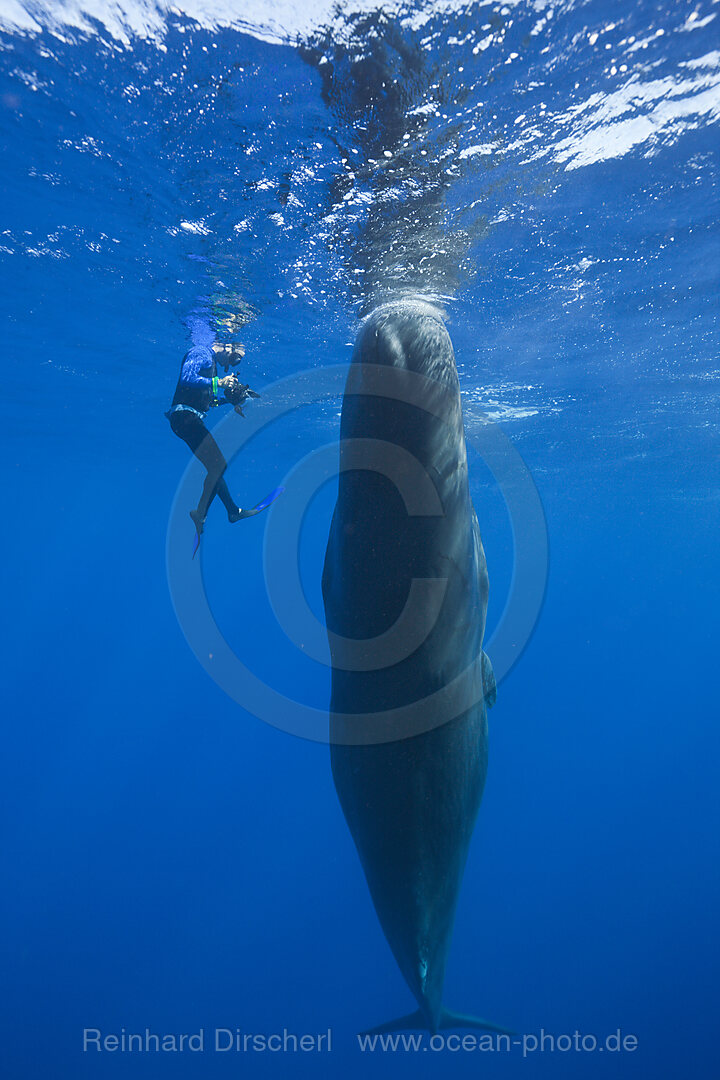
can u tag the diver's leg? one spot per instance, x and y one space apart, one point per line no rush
209 453
215 484
223 493
208 494
211 456
191 428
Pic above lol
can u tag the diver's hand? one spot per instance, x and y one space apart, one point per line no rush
228 382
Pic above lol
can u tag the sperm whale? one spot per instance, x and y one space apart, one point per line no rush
409 766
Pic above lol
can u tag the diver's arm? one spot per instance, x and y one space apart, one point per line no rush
225 383
190 375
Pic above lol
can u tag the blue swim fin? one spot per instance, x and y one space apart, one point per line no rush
198 522
263 504
268 499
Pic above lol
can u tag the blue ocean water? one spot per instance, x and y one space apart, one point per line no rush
549 173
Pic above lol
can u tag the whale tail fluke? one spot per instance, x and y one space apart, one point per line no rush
450 1019
414 1021
417 1021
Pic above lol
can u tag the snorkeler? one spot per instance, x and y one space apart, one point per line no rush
197 391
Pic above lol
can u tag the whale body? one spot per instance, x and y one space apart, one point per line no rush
410 799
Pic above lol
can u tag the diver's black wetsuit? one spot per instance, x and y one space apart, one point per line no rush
196 392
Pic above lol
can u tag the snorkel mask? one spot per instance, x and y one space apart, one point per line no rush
230 354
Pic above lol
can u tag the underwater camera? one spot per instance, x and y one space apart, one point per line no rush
237 395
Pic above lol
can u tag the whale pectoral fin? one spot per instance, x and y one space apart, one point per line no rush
489 684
